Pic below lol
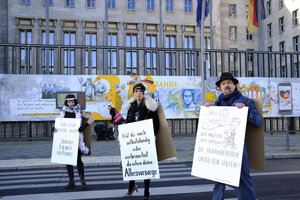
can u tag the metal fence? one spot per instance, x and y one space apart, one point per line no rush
87 60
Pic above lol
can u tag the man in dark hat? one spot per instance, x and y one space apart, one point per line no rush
231 96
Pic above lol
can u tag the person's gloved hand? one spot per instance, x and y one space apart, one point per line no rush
82 127
53 130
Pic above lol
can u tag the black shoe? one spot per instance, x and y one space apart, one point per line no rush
70 185
83 184
129 194
146 195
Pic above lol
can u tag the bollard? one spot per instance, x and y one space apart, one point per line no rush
287 135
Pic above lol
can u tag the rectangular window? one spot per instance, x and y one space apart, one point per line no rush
232 10
50 54
169 5
281 46
249 36
25 37
131 55
295 17
90 4
25 52
131 5
150 5
171 56
269 30
280 4
250 55
111 3
50 2
112 53
189 56
25 2
188 6
70 3
269 7
207 42
296 43
151 55
233 33
69 53
281 24
270 48
90 54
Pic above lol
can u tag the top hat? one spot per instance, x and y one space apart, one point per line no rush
139 86
226 76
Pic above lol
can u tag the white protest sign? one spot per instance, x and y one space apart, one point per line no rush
138 151
219 144
65 141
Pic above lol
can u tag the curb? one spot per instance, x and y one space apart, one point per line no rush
48 165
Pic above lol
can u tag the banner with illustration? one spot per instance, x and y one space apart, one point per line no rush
219 144
280 96
33 97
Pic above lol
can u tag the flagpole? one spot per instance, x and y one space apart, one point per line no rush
259 6
202 64
106 38
212 69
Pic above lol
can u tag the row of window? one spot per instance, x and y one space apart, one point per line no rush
269 6
131 4
295 14
131 57
281 26
296 44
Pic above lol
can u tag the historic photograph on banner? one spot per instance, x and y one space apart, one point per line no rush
138 151
219 144
65 141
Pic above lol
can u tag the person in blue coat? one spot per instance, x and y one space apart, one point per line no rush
231 96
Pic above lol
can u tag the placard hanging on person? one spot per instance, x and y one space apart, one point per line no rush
138 151
65 141
219 144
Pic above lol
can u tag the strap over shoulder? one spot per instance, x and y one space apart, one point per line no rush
245 101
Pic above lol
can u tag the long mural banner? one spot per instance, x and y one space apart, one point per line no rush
33 97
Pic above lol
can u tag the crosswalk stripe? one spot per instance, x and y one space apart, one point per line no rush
87 172
114 193
92 181
100 168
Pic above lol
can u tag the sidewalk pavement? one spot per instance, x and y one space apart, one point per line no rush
37 154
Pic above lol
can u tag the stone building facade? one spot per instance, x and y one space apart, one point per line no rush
131 23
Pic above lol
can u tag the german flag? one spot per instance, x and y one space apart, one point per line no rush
253 15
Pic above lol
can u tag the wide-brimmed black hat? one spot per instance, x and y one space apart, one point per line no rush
226 76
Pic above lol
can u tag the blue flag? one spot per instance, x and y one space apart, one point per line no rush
199 11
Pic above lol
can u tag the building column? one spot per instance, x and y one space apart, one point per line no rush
3 36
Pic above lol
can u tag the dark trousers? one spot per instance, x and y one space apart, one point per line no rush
80 168
146 186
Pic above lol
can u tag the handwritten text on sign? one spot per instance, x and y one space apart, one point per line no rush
219 144
138 151
65 141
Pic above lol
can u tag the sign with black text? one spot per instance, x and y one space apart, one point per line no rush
138 151
65 141
219 144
